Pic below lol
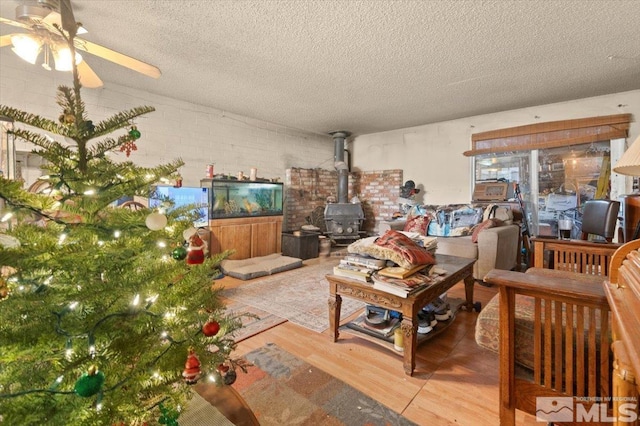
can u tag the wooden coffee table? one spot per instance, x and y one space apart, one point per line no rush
458 269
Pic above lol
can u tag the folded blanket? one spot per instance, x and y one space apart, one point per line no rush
406 247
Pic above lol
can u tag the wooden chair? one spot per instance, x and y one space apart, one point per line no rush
579 256
564 315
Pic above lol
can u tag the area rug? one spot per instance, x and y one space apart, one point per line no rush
300 295
199 412
254 320
284 390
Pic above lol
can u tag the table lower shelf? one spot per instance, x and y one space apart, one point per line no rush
387 341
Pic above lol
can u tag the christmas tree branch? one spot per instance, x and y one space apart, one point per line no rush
31 391
33 120
120 120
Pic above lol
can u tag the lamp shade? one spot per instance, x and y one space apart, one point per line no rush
629 163
27 47
62 58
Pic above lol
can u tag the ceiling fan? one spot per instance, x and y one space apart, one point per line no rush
44 20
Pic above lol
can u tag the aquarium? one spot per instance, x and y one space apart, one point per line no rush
195 197
237 198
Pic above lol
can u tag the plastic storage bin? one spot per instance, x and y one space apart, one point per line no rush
300 244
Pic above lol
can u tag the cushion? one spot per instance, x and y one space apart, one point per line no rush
488 327
417 224
489 223
458 246
255 267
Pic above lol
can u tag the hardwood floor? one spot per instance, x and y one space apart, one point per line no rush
455 381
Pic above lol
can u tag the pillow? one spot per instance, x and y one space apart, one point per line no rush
489 223
367 246
418 224
406 247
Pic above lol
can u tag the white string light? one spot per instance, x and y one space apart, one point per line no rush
151 300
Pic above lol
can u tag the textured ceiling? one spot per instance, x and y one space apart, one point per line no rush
366 66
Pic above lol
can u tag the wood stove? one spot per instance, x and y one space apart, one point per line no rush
343 219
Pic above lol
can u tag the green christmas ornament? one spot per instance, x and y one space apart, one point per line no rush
89 127
179 253
168 416
135 133
89 383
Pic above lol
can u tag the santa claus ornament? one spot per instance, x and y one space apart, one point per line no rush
191 371
195 252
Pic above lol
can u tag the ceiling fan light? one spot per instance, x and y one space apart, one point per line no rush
26 47
62 59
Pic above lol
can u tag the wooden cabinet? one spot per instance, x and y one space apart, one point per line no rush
248 236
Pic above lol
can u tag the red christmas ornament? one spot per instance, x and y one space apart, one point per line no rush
191 371
210 328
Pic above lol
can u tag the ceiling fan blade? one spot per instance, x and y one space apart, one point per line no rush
5 40
52 19
66 15
14 23
118 58
88 78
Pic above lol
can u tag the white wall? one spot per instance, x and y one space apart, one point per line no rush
177 129
431 155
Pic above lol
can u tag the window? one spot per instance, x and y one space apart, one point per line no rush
558 165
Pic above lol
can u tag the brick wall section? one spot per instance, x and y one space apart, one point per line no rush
306 189
378 191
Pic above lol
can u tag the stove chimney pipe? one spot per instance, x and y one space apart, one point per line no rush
340 165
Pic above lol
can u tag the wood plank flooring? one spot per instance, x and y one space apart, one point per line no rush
455 381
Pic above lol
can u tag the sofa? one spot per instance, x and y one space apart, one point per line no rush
495 247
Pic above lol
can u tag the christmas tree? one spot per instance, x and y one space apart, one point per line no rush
102 320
